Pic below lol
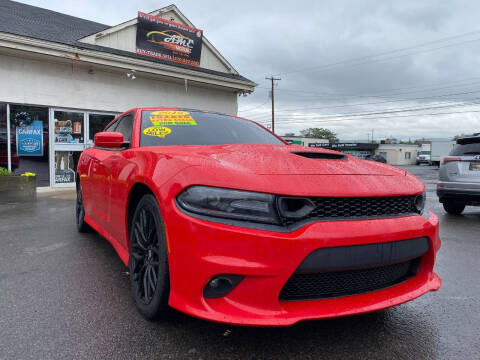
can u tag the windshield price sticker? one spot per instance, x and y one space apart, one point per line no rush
172 118
158 131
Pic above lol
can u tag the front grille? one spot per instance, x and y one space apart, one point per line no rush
344 283
358 208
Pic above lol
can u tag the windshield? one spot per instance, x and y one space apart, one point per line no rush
466 149
190 127
424 153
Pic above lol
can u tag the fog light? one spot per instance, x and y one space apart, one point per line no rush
221 285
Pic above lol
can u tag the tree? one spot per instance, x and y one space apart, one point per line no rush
320 133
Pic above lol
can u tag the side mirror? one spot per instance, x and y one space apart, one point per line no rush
109 140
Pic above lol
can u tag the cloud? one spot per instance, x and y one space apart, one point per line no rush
298 40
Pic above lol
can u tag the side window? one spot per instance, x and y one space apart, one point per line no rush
124 125
112 127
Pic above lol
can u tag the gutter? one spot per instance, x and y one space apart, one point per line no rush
49 48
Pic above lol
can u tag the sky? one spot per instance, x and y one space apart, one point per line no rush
402 69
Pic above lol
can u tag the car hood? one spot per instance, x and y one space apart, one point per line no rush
277 160
280 169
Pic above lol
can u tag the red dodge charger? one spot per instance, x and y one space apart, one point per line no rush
221 219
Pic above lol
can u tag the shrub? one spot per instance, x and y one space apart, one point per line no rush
5 172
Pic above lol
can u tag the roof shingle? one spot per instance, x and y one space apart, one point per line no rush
38 23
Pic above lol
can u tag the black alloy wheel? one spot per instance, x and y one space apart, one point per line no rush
82 226
149 275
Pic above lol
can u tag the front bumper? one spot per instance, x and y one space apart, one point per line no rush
200 249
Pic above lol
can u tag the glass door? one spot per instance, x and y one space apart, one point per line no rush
4 139
68 136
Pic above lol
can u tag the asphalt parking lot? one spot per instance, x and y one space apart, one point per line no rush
67 295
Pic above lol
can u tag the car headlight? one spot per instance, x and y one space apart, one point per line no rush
230 204
419 202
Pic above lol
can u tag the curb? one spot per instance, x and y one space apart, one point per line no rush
50 190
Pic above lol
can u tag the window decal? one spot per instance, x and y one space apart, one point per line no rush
158 131
172 118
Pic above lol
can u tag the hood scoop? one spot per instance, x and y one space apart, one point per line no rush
319 155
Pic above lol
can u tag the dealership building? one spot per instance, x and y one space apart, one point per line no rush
62 79
357 149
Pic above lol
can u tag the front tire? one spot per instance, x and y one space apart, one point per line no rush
453 207
149 275
82 226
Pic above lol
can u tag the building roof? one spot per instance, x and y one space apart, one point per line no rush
38 23
399 145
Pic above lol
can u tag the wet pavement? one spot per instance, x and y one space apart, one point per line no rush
66 295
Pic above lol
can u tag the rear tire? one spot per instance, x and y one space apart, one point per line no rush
149 275
453 207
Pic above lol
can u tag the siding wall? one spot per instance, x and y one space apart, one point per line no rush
40 82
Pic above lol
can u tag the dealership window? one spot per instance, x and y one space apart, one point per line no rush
69 128
3 136
408 155
97 123
74 132
29 139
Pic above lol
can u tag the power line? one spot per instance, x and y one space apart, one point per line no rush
328 66
382 117
378 118
253 108
379 102
387 111
374 95
397 100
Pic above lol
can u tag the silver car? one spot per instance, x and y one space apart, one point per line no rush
459 178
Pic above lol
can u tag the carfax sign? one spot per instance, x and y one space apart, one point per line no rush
30 139
168 40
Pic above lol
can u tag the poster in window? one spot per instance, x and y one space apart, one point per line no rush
168 40
64 167
30 139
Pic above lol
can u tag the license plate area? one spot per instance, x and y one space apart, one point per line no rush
474 165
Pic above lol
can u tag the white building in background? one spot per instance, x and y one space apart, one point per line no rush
398 154
71 76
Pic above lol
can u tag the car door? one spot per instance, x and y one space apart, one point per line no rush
101 171
90 182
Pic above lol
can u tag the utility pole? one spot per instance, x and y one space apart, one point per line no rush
272 79
372 135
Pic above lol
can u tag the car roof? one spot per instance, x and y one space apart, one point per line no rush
475 138
150 108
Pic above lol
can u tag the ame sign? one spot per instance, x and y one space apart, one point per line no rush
168 40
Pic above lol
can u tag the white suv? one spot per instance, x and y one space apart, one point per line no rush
459 177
